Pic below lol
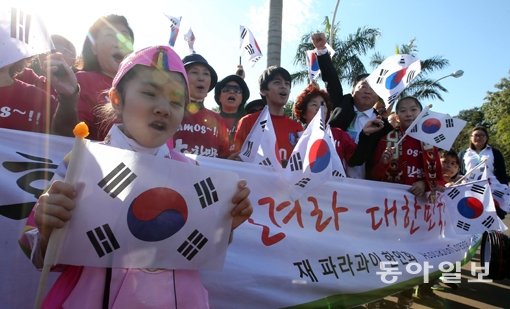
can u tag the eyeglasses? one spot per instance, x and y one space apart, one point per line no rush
229 88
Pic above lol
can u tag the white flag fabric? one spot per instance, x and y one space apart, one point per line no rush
150 216
260 146
393 75
249 46
500 192
313 65
437 129
471 208
175 24
314 159
22 35
190 38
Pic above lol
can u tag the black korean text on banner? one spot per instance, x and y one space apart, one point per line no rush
35 170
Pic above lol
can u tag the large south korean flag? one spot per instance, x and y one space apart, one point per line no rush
140 211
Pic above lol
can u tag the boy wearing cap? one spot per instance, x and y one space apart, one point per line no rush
202 131
231 93
275 84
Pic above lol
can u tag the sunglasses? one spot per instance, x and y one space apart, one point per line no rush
231 88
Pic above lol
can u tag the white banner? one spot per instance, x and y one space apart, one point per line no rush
323 249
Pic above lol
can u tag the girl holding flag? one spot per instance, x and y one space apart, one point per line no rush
149 95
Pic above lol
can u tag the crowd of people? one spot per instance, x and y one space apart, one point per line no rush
125 104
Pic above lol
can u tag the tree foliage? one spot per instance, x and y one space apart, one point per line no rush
494 114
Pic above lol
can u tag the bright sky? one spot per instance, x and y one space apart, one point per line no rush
472 35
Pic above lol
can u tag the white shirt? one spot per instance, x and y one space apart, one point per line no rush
353 130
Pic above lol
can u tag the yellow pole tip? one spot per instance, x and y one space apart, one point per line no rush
81 130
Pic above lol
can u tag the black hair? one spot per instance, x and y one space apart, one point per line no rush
479 128
270 73
408 98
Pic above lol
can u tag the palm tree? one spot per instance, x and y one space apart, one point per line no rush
421 87
274 33
347 59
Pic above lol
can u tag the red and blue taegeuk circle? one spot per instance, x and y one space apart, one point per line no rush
431 125
394 79
319 156
314 62
157 214
470 207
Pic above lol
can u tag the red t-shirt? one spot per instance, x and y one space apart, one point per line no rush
286 131
23 107
344 144
408 168
202 133
92 95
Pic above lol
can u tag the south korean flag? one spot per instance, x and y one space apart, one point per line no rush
471 208
260 146
136 210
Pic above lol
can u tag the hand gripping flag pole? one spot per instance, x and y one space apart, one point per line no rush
482 161
80 131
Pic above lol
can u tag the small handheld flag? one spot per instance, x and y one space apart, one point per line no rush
175 23
249 45
260 146
393 75
190 38
436 129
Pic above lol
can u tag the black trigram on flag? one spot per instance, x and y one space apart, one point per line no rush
117 180
249 49
463 225
449 123
249 147
439 138
103 240
336 173
498 193
263 125
414 129
392 98
295 162
453 193
402 61
478 189
243 33
322 125
382 73
20 25
488 222
206 192
303 182
192 245
410 76
266 162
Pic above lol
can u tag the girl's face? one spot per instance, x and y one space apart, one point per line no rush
153 106
312 108
230 97
407 112
449 166
199 78
111 45
278 91
479 139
